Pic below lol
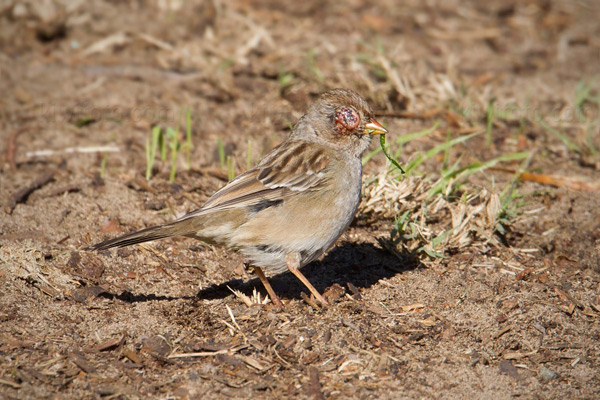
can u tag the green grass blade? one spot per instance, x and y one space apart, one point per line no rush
416 135
173 139
400 141
221 150
149 160
441 147
560 135
103 165
249 155
390 159
489 122
230 167
472 168
188 138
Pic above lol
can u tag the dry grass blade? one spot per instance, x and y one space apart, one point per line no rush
245 299
554 180
401 85
12 384
69 150
116 39
474 217
255 299
230 351
154 41
475 34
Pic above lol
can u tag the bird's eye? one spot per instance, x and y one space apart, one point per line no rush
347 119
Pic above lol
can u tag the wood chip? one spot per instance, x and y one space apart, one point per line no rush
313 388
111 226
70 188
354 290
110 344
333 293
567 298
518 356
502 332
11 146
543 278
377 309
82 363
310 358
156 345
349 324
507 368
428 321
131 355
87 266
413 307
523 275
253 362
501 318
310 301
143 184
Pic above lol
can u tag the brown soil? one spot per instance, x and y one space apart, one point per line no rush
519 318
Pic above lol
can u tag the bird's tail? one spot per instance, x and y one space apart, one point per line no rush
176 228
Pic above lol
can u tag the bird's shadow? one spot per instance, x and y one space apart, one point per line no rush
361 265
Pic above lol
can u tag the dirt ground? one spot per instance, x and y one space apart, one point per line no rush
83 84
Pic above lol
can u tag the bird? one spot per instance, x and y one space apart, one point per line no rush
298 200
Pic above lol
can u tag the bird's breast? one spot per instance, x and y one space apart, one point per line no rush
307 222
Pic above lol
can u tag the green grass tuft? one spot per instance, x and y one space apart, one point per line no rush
162 141
434 216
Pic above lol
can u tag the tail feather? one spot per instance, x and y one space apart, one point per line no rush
145 235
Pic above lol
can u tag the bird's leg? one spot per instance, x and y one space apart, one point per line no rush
261 275
292 261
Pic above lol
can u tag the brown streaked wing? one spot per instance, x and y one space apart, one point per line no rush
298 166
289 168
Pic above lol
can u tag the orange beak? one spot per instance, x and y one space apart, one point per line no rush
375 128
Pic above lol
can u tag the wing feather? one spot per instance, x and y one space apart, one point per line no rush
287 169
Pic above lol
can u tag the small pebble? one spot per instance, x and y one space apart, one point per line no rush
548 374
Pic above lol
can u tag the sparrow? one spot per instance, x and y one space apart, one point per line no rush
298 200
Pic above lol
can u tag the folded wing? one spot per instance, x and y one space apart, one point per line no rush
288 169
